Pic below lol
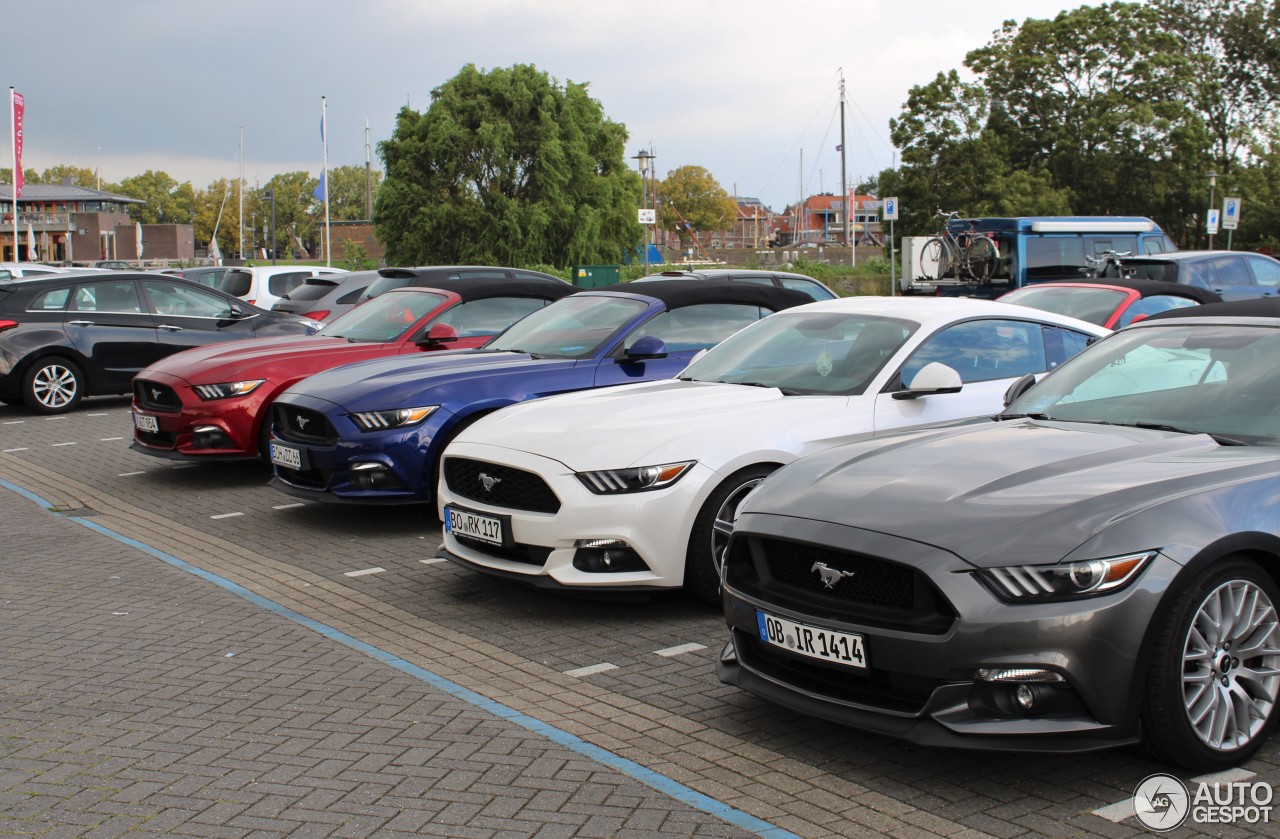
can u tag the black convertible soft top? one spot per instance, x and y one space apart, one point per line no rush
677 293
1258 307
1149 288
479 288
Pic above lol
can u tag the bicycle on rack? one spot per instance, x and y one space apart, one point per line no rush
1108 264
967 255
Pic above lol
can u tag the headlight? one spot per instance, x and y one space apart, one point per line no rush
398 418
226 390
1023 583
614 481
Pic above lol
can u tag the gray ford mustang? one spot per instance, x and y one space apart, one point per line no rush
1096 566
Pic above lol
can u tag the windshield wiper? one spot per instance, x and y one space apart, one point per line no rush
784 391
999 417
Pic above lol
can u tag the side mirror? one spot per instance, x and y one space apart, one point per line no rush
934 377
649 346
1018 388
440 333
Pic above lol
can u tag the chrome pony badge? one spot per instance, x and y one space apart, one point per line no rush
830 576
155 395
302 423
489 482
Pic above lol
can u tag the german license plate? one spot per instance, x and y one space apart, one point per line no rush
844 648
473 525
142 422
287 456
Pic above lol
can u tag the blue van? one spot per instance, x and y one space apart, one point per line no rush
1033 249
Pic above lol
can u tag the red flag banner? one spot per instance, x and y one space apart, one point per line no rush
17 145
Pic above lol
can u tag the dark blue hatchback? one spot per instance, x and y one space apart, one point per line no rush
373 432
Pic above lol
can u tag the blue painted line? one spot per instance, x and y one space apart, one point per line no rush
628 767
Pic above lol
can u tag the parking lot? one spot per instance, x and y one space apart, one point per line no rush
441 701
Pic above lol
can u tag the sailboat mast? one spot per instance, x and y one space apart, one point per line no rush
240 187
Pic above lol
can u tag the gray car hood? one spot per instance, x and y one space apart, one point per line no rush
1004 493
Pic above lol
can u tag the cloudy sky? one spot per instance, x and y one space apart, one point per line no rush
747 89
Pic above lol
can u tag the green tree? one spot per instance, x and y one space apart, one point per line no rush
691 199
216 206
507 167
347 191
79 176
295 212
167 201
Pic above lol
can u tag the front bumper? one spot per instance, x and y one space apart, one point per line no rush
229 427
921 684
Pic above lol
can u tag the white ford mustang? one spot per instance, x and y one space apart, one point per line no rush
636 487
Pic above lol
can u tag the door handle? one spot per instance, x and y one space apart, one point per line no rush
169 328
81 322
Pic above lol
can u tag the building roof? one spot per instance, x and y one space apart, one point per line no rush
32 193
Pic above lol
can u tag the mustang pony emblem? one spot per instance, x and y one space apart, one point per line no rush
155 395
489 482
302 423
830 576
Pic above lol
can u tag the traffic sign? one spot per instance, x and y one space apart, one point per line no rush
1211 222
1230 213
648 216
891 209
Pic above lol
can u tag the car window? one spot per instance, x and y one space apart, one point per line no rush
351 297
750 278
481 274
488 316
52 300
697 327
1150 305
572 327
383 319
181 300
279 284
1094 305
119 296
1061 343
1266 272
809 287
526 275
982 350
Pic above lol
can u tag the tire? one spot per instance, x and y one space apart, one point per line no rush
264 437
935 253
1206 708
53 385
711 528
981 256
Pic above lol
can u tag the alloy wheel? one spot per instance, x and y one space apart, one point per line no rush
54 386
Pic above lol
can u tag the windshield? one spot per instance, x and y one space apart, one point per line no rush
805 352
573 327
384 318
1220 379
1094 305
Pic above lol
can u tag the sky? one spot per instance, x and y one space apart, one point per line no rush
747 89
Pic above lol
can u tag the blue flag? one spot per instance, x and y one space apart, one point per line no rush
319 193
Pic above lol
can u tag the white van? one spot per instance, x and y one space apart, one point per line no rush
263 285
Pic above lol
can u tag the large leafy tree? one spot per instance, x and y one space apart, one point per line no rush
507 167
167 201
691 199
347 191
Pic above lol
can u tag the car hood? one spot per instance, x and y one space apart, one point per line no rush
403 382
1004 493
269 358
632 425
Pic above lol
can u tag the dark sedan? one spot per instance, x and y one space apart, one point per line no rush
1098 566
68 336
1236 275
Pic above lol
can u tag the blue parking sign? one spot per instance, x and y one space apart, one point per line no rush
1230 213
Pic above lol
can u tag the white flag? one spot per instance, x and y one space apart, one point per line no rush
33 253
137 229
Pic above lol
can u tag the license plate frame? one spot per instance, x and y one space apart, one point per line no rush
288 457
146 422
845 649
478 526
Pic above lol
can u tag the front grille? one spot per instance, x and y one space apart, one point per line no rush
154 396
867 589
509 487
527 554
302 425
307 479
157 439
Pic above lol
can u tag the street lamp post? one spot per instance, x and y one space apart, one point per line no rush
1213 180
270 195
644 157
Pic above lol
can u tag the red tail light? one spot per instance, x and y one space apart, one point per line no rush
7 324
320 314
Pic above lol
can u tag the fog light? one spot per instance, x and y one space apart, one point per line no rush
373 476
606 556
1025 697
209 437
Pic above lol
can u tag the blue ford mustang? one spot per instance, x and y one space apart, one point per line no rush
372 432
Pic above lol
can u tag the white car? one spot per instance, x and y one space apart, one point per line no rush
636 487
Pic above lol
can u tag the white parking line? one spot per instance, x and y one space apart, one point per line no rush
226 515
129 474
98 415
1122 810
51 419
14 422
109 439
23 449
592 670
435 560
55 445
288 506
680 650
364 572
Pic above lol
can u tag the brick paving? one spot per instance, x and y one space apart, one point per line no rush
515 646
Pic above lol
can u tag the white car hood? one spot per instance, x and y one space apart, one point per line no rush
660 422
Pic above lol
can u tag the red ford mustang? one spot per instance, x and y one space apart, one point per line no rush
211 403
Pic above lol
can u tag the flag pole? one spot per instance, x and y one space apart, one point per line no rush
324 142
13 140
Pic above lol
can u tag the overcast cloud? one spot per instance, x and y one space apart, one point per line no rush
742 88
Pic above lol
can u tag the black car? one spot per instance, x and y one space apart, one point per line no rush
781 279
326 297
206 275
439 276
1236 275
66 336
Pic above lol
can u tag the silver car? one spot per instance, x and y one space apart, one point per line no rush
1095 567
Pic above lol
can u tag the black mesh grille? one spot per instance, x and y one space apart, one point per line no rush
301 425
864 589
528 554
508 487
158 439
155 397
